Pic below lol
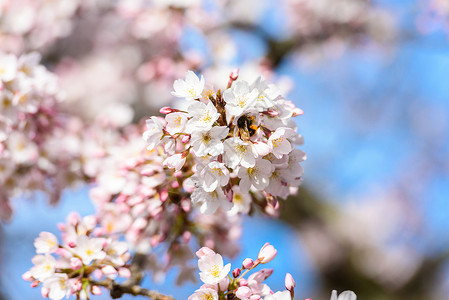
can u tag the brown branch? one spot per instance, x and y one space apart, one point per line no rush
118 290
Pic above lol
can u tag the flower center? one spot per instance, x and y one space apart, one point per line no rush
277 142
214 271
206 138
207 297
177 121
217 171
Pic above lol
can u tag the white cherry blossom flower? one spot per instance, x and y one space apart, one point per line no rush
284 295
238 152
278 185
204 294
190 88
154 132
279 141
175 161
346 295
209 142
209 202
241 202
203 116
46 243
89 249
267 93
8 67
257 176
212 270
58 286
175 122
240 98
44 266
115 250
213 175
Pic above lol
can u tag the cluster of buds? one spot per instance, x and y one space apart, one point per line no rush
74 266
238 144
220 282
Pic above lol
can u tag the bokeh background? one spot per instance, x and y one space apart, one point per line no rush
372 77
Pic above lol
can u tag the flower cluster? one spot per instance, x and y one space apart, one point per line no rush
84 256
238 144
29 98
219 281
137 197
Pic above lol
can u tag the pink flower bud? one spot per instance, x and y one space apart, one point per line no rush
75 263
187 235
73 218
234 74
175 184
163 195
224 284
124 273
273 113
185 139
95 290
297 112
109 270
44 292
248 263
77 285
236 272
204 251
166 110
27 276
243 292
71 244
289 282
35 283
267 253
243 282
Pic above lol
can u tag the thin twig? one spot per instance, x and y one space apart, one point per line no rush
117 290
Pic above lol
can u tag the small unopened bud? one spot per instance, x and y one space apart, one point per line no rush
35 283
243 282
109 270
224 284
248 263
166 110
297 112
44 292
175 184
187 235
77 285
185 139
27 276
95 290
163 195
273 113
243 292
236 272
72 244
234 74
124 273
267 253
75 263
289 282
204 251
